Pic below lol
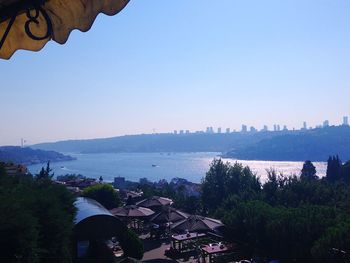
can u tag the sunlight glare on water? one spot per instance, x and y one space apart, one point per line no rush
156 166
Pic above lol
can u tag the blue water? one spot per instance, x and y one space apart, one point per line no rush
133 166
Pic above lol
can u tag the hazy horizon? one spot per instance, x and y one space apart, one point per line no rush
163 66
259 129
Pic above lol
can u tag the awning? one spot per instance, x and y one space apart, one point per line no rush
93 221
30 24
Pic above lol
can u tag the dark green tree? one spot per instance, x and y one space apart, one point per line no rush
2 170
345 172
19 229
131 244
45 174
309 171
224 179
213 185
333 168
36 221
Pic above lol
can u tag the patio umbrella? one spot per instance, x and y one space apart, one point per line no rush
155 201
196 223
131 211
30 24
169 215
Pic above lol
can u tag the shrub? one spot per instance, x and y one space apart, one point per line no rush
104 194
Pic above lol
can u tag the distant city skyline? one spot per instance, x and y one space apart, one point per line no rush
161 66
276 127
219 130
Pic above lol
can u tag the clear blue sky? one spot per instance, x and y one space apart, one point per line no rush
183 64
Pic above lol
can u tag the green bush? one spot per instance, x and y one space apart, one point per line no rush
104 194
332 245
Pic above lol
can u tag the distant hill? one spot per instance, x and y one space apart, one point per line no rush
28 156
158 143
316 144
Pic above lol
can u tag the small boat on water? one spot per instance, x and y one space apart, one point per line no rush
154 165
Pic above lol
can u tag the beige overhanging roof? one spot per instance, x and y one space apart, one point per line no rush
48 19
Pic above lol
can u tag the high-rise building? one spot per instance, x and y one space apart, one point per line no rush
252 129
274 127
175 131
244 128
228 130
208 130
285 128
325 123
345 121
265 128
219 130
181 131
304 125
187 131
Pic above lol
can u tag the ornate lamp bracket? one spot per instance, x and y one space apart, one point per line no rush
33 9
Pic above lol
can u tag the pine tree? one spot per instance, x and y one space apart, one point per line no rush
334 167
309 171
45 173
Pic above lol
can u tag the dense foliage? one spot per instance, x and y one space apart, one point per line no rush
36 219
223 179
336 171
104 194
293 219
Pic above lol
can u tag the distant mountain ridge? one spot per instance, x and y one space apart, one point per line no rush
157 143
315 144
28 156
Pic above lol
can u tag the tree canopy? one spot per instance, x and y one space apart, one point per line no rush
36 221
104 194
309 171
293 219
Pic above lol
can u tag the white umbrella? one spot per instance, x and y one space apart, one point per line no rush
131 211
